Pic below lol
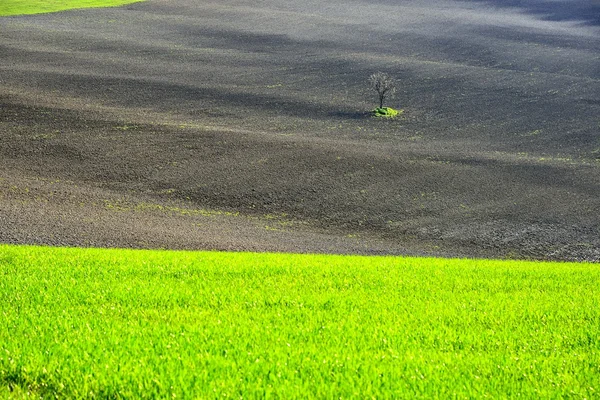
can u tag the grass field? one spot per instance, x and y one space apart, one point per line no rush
88 323
20 7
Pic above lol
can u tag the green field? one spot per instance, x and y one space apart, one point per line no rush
88 323
20 7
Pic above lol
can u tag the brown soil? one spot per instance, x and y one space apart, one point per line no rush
224 125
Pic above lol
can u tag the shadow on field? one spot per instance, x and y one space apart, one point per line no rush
144 93
350 115
585 12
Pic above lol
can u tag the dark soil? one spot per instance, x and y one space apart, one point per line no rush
240 126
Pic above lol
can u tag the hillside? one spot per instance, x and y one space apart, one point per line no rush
225 125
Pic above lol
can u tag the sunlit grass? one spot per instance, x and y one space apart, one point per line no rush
85 323
19 7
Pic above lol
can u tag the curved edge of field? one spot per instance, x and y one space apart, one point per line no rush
19 7
186 324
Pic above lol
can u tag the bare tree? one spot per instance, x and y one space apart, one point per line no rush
384 84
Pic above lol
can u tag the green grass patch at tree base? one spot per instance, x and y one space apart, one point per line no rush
24 7
387 112
92 323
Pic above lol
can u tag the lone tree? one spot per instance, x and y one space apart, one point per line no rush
384 84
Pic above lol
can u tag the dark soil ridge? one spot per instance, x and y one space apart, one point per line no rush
237 136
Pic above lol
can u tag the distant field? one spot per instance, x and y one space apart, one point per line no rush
18 7
147 324
120 124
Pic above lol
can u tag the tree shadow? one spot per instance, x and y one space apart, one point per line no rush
351 115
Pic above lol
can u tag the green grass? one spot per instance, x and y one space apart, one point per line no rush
387 112
89 323
21 7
